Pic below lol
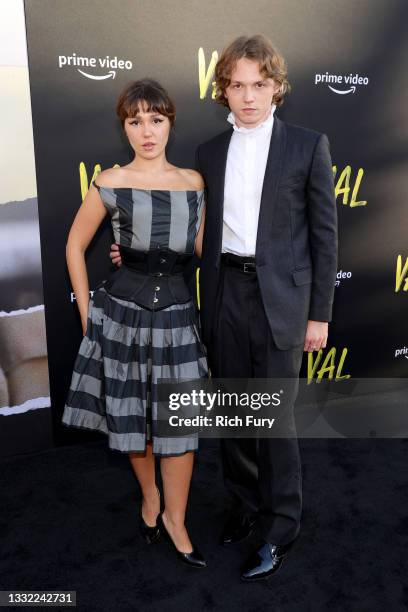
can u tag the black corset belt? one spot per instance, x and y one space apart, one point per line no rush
152 279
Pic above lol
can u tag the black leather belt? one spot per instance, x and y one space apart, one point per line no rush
245 264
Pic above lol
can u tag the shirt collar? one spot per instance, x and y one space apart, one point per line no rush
262 126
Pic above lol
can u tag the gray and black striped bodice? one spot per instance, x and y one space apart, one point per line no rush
145 219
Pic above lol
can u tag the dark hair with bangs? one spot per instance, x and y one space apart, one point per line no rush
145 92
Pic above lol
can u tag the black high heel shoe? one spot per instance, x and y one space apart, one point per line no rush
150 533
193 558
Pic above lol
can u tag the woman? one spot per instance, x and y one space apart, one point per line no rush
141 324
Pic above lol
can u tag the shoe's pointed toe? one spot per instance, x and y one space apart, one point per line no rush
264 562
193 558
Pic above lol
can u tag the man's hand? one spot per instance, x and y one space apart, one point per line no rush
316 335
115 255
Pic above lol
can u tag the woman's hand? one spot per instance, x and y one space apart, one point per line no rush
115 255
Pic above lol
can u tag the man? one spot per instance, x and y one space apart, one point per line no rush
267 278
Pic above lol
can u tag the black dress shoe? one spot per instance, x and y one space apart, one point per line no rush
193 558
237 529
264 562
150 533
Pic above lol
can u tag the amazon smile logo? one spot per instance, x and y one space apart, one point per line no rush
340 83
106 66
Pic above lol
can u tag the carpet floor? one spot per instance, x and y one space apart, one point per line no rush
69 521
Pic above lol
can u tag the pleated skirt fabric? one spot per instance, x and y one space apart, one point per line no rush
126 350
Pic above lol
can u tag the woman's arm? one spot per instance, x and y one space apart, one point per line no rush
198 245
87 220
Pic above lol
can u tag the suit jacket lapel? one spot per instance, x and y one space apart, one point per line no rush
272 176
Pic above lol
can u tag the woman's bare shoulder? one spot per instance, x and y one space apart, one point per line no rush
109 177
192 178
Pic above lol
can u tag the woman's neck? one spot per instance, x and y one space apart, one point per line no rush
150 166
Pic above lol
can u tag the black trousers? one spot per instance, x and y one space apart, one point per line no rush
262 474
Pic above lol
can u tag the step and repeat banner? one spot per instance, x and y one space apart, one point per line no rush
348 75
25 416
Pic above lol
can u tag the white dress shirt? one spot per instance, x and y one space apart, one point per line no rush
244 175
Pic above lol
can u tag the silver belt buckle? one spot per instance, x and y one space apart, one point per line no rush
249 263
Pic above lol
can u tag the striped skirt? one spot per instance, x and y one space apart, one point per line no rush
126 350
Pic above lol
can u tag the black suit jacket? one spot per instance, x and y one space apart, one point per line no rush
296 246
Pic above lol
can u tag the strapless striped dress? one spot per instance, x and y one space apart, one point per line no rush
128 348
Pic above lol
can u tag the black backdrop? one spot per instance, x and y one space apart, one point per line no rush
75 127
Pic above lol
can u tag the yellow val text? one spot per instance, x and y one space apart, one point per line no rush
198 287
205 76
83 177
328 367
343 187
401 273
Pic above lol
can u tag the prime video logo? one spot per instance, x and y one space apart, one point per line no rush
108 65
345 84
402 352
342 275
